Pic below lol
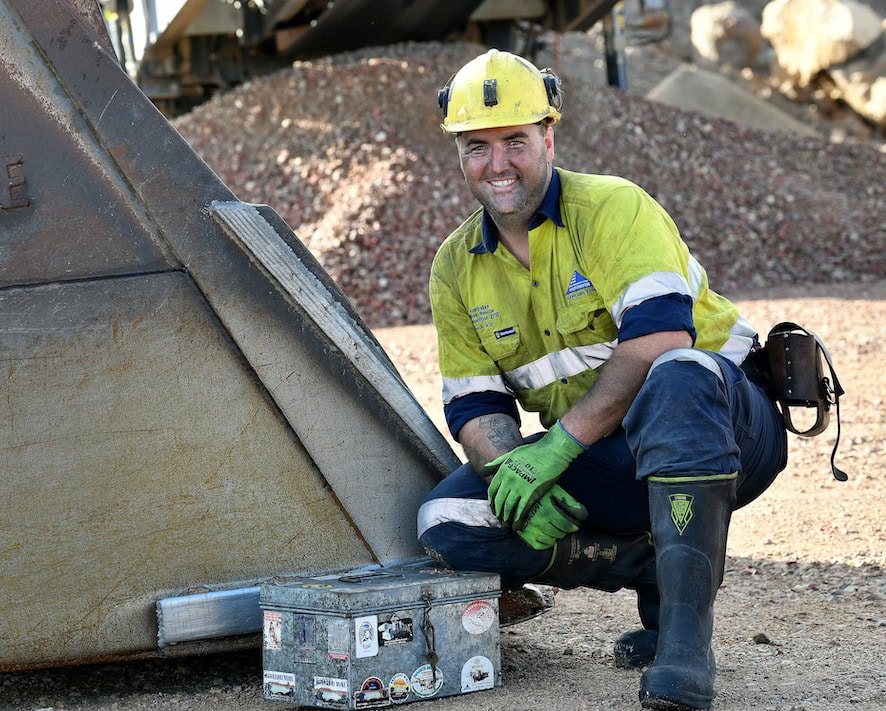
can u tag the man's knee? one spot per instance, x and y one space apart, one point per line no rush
451 529
682 375
668 362
460 547
436 546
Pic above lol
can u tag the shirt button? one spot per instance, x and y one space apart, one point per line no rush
563 380
547 332
534 282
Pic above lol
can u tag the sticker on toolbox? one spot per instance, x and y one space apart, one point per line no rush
365 631
272 630
303 636
477 674
338 636
478 617
279 685
331 692
372 694
395 630
398 689
426 681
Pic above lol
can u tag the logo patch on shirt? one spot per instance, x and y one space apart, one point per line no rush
578 285
505 332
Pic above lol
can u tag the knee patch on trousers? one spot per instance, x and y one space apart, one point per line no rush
703 358
434 554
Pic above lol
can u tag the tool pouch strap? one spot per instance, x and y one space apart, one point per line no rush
797 379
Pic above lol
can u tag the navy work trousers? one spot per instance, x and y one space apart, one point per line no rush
697 414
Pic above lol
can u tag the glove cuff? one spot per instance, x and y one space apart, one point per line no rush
565 440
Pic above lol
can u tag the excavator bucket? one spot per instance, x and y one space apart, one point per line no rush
190 405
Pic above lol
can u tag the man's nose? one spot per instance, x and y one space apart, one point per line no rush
500 159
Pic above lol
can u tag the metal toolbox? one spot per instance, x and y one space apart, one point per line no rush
376 638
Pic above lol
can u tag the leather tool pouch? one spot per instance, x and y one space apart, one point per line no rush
793 359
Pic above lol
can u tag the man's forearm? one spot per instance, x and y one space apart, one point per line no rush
485 438
603 408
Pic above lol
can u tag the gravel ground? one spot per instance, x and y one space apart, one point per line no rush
348 151
801 615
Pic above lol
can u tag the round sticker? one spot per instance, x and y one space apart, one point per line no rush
478 617
425 682
373 692
398 689
477 674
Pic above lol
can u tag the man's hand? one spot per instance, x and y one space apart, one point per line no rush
528 472
555 515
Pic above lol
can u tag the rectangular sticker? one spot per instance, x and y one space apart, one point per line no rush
395 630
366 636
332 692
279 685
273 630
303 638
338 640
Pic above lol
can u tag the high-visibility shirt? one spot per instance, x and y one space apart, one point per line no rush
607 265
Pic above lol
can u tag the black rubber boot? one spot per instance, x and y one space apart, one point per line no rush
690 521
636 649
594 559
610 562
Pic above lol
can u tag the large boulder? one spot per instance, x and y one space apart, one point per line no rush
837 44
861 83
691 88
725 33
812 35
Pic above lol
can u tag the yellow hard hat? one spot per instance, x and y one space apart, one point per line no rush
499 89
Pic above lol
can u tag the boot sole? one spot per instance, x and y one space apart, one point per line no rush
651 700
667 705
667 688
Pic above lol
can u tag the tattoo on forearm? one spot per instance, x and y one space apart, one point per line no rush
502 432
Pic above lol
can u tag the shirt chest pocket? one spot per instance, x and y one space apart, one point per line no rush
586 323
505 350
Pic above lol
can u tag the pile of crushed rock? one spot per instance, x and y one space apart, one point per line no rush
349 151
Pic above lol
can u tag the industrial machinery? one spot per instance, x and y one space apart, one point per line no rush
182 51
190 406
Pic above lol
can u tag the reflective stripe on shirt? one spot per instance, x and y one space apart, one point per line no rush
544 371
458 387
650 286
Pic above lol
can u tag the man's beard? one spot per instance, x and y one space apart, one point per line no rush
519 218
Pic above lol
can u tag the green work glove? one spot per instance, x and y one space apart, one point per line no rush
555 515
528 472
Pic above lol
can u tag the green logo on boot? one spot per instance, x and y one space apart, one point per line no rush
681 510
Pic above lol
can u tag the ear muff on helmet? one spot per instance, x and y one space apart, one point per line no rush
553 87
443 96
499 89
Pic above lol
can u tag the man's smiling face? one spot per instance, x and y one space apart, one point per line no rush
508 170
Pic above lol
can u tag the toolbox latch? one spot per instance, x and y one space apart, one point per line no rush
430 634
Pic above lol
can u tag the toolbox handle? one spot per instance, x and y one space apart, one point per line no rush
365 577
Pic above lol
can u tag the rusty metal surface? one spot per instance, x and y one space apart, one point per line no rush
139 459
90 14
171 417
64 212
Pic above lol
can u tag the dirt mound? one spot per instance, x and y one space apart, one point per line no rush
349 151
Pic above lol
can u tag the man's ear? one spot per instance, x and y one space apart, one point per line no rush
549 142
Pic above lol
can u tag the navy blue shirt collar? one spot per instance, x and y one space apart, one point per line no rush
549 210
